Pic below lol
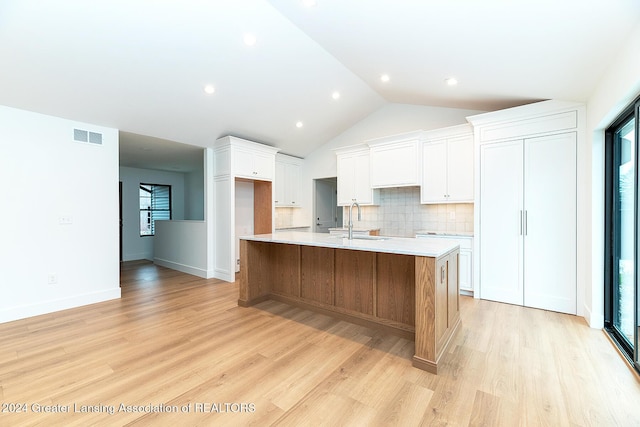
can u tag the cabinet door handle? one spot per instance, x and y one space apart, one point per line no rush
525 223
442 274
521 220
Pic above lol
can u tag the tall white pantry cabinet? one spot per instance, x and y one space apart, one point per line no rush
526 204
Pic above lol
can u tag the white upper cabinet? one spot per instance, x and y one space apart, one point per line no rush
354 176
395 160
447 165
288 180
253 163
244 159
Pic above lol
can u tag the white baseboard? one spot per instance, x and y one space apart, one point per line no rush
224 275
196 271
594 321
136 257
44 307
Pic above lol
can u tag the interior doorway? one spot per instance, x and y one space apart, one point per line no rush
327 213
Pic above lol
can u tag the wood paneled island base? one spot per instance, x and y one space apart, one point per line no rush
416 297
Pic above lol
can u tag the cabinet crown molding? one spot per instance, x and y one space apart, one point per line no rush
448 132
281 157
351 149
523 112
393 139
232 141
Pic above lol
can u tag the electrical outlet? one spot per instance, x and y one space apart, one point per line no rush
238 262
52 278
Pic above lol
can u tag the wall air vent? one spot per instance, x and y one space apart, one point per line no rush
95 138
80 135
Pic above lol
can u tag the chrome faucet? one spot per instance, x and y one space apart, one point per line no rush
351 220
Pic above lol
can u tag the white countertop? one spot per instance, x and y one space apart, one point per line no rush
345 229
445 233
292 227
394 245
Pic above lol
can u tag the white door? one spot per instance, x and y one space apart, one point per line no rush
501 184
550 238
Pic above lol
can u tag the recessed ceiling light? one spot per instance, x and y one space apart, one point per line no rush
299 124
209 89
250 39
335 95
310 3
451 81
384 78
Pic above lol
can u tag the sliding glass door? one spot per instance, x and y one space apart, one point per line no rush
621 289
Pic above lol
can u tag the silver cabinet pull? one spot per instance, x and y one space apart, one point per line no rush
525 223
521 226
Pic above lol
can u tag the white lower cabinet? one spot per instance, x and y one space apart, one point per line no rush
465 262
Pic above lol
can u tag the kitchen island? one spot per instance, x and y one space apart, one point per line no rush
405 286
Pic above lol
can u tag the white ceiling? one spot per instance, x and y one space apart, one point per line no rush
141 65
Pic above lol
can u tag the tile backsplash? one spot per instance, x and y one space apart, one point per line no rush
290 217
401 214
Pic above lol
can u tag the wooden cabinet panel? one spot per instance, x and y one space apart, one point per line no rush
317 274
258 272
355 280
453 291
442 306
395 277
425 308
262 212
285 269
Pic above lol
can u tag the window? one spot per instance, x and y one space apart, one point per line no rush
155 203
622 231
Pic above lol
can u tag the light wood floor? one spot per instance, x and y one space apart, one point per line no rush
175 339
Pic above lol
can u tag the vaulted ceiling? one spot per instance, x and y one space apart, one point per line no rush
142 65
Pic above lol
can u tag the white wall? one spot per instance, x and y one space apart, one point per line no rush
134 246
389 120
194 194
182 246
48 177
616 90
